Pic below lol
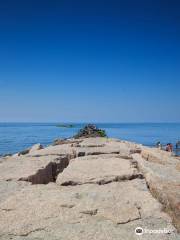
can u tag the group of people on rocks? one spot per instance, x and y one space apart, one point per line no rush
169 146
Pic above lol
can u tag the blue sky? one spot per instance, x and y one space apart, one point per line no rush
90 61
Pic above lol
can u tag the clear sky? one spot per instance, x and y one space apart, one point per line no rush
90 61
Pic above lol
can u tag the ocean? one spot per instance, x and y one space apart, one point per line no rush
15 137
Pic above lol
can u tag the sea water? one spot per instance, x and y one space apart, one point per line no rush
15 137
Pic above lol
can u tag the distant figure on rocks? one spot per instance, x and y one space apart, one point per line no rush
178 145
169 147
159 145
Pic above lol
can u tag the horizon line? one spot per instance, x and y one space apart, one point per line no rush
82 122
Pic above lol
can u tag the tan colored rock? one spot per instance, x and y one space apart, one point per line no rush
90 146
82 212
8 188
57 150
97 146
108 199
178 167
66 141
164 184
100 169
37 170
155 155
94 142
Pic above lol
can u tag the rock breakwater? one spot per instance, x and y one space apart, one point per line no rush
89 188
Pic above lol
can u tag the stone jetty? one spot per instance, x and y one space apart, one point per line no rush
94 188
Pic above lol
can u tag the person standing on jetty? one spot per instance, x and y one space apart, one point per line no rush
169 147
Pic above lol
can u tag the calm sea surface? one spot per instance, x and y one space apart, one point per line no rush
18 136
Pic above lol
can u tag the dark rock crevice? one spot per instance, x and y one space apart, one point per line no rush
83 153
49 173
28 233
106 181
45 155
90 212
129 220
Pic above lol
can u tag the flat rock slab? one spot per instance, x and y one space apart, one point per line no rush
8 188
97 146
90 146
88 211
94 142
57 150
99 169
158 156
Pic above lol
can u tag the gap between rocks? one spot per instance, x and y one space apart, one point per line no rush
50 172
104 181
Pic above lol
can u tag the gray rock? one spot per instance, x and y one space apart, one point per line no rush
24 152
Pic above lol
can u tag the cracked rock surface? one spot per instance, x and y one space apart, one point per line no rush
163 179
37 170
100 169
93 189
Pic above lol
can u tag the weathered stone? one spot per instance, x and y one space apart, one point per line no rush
102 195
35 147
164 184
155 155
88 211
58 150
94 142
73 142
8 188
37 170
98 169
97 146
